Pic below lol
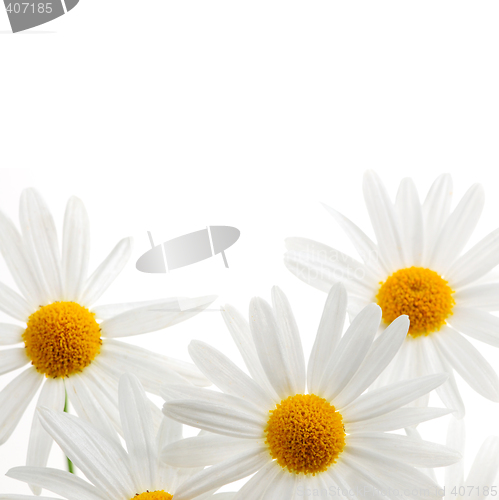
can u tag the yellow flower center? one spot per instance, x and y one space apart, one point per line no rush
62 338
420 293
153 495
305 434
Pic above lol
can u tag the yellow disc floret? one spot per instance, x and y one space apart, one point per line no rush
420 293
62 338
153 495
305 434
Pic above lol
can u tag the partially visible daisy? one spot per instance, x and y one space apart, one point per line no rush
268 423
482 480
112 472
71 345
418 268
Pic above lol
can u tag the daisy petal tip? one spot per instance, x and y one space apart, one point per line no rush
36 490
257 304
127 381
43 412
338 287
403 321
374 310
13 473
195 346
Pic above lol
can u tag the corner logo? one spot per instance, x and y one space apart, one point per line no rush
188 249
26 15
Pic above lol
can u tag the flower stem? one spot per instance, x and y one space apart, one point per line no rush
66 408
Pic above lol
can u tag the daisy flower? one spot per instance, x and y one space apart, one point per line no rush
333 435
418 268
112 472
482 480
70 345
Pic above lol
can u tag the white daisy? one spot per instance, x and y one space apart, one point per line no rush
135 474
331 436
418 268
70 345
483 477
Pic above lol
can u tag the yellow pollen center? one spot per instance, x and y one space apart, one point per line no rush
420 293
153 495
62 338
305 434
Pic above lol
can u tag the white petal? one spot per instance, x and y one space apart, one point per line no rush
486 466
106 273
283 486
338 474
454 474
412 451
13 304
380 354
420 369
480 325
25 272
476 262
436 209
10 334
208 449
328 336
138 431
395 473
241 334
257 486
457 229
217 418
385 399
484 297
410 217
469 363
366 248
105 390
181 391
357 474
351 351
321 266
274 349
151 368
384 221
107 311
291 336
436 363
103 462
397 419
227 376
12 359
57 481
75 248
51 396
86 405
151 318
226 472
15 398
169 432
414 434
38 228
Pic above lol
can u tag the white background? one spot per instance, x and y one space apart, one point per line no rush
171 116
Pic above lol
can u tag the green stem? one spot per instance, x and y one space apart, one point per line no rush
71 467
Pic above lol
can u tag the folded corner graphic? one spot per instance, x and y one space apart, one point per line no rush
26 15
188 249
